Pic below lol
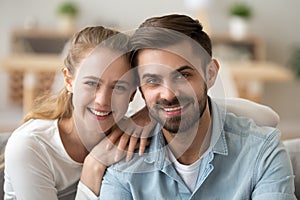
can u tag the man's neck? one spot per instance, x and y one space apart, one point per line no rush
189 146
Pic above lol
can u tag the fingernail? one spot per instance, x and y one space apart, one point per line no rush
128 158
117 157
141 151
109 146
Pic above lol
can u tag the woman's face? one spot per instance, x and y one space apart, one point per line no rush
102 89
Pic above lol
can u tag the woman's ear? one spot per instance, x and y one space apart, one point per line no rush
68 80
212 72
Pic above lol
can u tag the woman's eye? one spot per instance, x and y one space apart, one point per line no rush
92 84
120 88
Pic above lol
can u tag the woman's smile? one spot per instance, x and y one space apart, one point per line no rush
100 114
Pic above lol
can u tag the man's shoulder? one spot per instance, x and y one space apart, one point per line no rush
243 133
245 128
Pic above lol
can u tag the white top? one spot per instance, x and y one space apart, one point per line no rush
37 165
188 173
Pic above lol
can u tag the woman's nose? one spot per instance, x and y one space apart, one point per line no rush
103 97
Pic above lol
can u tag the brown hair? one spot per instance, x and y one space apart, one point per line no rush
158 32
82 43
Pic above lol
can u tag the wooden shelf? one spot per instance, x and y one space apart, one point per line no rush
39 41
252 45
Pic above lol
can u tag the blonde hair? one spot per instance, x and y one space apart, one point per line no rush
59 106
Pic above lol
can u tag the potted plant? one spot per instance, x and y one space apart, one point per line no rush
67 13
240 13
294 61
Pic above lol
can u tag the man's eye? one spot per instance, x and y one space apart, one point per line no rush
152 81
182 76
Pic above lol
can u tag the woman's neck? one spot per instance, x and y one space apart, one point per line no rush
71 140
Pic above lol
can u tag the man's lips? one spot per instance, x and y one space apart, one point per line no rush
172 109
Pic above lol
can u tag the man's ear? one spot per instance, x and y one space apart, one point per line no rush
212 72
68 80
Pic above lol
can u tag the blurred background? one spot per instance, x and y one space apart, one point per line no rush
256 42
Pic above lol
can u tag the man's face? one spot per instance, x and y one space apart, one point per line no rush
174 90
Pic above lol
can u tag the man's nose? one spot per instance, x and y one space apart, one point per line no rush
168 92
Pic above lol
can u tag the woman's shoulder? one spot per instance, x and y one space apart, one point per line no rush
35 131
35 127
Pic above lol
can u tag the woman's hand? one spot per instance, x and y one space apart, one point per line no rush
97 161
136 131
131 133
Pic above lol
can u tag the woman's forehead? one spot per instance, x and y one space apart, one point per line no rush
100 60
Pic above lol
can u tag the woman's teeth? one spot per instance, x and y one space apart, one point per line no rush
98 113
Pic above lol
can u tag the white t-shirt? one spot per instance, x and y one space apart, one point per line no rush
188 173
37 165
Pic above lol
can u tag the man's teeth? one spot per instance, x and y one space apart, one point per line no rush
101 114
172 109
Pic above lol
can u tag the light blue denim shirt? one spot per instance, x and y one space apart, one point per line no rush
244 161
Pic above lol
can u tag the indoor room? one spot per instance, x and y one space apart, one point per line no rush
271 41
257 44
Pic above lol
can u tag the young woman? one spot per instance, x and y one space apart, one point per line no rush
44 157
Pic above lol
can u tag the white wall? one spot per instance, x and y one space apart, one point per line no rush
276 21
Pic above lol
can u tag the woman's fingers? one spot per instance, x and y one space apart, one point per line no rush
122 145
113 137
107 156
143 144
133 144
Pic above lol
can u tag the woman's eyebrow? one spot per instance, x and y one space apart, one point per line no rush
99 80
91 77
121 82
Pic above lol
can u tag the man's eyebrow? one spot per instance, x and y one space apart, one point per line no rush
185 67
148 75
182 68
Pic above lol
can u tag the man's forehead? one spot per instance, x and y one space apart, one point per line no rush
170 59
185 50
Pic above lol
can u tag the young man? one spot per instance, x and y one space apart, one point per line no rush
198 150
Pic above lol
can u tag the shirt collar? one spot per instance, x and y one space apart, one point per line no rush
218 140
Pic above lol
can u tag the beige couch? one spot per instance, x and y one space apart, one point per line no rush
293 146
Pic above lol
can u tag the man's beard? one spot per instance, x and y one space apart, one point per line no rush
184 122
